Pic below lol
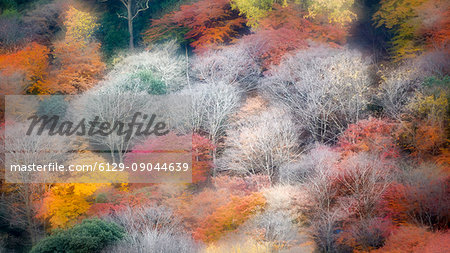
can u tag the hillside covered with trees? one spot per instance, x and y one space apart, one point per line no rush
316 125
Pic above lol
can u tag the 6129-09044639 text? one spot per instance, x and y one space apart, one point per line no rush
55 167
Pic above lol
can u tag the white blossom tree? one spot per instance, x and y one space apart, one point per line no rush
326 89
261 144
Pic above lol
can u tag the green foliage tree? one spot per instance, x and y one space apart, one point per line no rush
151 84
90 236
113 34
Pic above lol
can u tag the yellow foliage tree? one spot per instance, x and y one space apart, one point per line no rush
415 24
425 133
65 203
78 63
337 11
80 26
254 10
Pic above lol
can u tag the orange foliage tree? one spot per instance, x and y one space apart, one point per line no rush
229 217
65 203
209 200
205 202
78 63
424 130
31 62
208 22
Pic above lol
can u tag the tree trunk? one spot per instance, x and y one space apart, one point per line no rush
130 24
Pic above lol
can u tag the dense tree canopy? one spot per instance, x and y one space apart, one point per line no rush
304 125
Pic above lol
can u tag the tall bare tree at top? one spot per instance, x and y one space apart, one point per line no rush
134 7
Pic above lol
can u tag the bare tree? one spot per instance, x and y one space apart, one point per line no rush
278 226
435 62
22 149
151 227
426 195
44 20
261 144
12 33
113 106
133 7
325 228
155 241
123 93
315 171
234 65
325 88
146 217
397 87
316 163
366 178
211 106
343 191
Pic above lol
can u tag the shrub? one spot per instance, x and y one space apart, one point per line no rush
89 236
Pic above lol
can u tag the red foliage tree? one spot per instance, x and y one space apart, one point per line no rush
395 204
423 202
287 29
371 135
201 158
436 25
416 239
209 23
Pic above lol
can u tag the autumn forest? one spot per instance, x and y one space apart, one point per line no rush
310 125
